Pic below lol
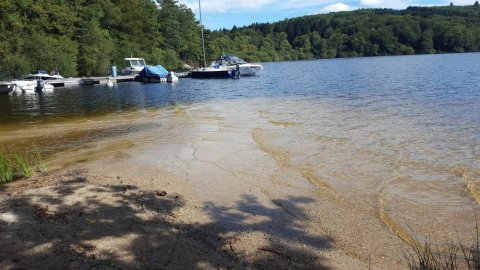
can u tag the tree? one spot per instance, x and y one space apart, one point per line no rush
180 30
426 43
96 49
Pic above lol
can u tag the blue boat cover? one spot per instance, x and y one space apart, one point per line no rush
153 72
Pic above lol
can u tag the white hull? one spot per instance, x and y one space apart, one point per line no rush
250 69
28 87
233 62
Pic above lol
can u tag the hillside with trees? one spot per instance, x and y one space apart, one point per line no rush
86 37
366 32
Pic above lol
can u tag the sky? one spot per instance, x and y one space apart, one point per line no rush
217 14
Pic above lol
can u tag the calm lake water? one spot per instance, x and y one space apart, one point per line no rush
404 131
442 88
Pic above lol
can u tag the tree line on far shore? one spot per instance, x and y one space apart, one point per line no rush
366 32
86 37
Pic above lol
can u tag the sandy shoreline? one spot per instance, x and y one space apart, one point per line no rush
234 199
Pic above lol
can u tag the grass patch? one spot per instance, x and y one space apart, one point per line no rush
38 160
7 171
15 166
471 253
450 256
23 167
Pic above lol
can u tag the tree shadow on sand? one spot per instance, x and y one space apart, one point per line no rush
76 225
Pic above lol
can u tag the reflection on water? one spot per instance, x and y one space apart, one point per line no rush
398 136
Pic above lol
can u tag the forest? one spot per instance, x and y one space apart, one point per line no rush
87 37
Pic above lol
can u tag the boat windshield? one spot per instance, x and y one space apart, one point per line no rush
231 60
39 72
236 60
133 63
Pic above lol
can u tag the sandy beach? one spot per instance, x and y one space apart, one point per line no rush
201 187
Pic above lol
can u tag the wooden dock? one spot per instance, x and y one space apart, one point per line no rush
66 82
90 80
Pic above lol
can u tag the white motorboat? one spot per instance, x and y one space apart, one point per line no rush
231 61
43 75
29 86
133 66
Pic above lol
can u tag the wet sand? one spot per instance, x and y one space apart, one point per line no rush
248 184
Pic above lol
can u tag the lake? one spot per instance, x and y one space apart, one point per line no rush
399 136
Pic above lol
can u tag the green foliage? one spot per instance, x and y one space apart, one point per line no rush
170 59
23 166
86 37
6 169
367 32
38 161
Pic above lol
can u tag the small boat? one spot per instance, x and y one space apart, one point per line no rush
152 74
217 72
214 71
43 75
133 66
29 86
245 68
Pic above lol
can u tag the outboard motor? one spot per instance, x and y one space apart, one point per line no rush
171 77
237 71
40 85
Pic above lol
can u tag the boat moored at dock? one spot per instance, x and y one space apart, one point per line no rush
133 65
231 61
152 74
42 74
29 86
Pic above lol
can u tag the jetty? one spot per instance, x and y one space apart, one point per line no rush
90 80
66 82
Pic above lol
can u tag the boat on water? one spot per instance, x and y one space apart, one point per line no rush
54 78
215 71
35 82
133 66
231 61
29 86
152 74
43 75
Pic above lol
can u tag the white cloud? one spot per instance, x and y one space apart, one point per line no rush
371 2
335 8
395 4
221 6
303 4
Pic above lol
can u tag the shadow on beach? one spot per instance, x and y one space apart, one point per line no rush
76 225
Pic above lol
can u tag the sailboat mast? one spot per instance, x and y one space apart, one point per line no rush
203 40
